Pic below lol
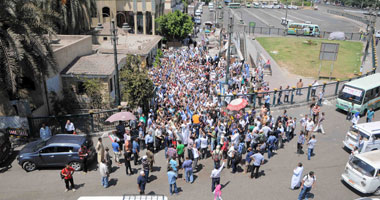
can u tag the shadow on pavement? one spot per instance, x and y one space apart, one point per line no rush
225 185
112 182
8 163
152 178
156 169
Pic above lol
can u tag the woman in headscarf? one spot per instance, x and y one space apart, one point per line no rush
355 118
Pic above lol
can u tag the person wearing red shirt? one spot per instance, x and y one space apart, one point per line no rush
83 154
67 174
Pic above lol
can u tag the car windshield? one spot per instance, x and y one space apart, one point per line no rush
39 145
351 94
362 167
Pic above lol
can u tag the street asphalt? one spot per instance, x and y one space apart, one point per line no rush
273 184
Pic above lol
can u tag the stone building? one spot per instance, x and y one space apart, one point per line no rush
139 14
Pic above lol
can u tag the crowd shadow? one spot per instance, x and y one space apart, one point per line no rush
152 178
78 186
156 168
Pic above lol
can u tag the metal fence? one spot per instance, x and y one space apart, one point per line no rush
84 123
295 96
283 32
354 17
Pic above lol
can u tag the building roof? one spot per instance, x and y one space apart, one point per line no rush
132 44
94 65
367 82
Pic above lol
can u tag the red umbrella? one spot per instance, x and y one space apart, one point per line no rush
121 116
237 104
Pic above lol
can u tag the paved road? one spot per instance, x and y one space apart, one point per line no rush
273 184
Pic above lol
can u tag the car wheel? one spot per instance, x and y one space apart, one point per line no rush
76 165
29 166
377 192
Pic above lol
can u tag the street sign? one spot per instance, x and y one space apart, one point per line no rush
329 51
252 24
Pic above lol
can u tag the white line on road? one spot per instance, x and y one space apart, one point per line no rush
257 17
291 16
307 16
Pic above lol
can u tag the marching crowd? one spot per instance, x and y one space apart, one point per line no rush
189 123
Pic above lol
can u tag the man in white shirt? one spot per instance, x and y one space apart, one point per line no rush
103 169
204 146
215 176
69 127
307 184
195 156
310 146
230 154
314 88
309 128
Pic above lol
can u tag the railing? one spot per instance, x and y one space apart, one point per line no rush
354 17
296 95
283 32
83 123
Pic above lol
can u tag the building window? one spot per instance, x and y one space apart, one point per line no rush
111 85
106 12
105 38
81 89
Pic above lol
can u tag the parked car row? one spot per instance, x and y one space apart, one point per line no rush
271 6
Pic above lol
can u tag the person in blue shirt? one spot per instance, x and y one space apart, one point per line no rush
149 141
116 150
271 141
172 179
267 101
188 166
45 132
370 115
258 160
136 150
173 164
248 159
141 182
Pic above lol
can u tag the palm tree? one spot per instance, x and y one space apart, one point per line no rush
24 49
75 14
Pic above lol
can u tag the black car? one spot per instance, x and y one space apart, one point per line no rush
57 151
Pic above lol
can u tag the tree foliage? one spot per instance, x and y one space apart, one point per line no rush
175 26
75 15
136 86
23 47
93 88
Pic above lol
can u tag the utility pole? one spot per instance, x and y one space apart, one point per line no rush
114 40
230 26
371 30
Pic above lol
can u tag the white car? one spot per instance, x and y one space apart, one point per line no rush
276 6
198 13
295 7
270 6
377 34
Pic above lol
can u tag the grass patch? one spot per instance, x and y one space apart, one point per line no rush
301 56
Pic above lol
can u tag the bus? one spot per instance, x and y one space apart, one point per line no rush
303 29
234 5
360 95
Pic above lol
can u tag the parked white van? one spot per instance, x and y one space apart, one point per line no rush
362 172
370 133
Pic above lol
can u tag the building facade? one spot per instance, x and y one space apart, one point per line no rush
139 14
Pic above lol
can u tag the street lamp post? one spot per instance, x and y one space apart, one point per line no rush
114 39
229 50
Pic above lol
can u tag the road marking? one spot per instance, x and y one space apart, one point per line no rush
292 16
307 16
257 17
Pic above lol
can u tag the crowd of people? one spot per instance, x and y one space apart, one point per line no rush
189 123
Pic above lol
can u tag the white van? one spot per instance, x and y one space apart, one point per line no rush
362 172
370 133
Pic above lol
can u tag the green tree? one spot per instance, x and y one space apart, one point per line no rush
175 26
136 86
75 15
93 88
23 47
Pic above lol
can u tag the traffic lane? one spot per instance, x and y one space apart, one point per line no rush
249 16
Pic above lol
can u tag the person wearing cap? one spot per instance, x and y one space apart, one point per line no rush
141 182
217 156
146 166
